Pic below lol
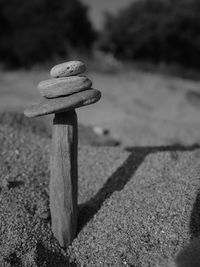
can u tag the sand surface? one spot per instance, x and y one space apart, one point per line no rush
136 208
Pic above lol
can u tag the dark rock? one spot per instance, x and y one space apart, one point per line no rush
63 104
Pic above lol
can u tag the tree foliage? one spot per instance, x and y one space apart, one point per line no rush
33 31
155 30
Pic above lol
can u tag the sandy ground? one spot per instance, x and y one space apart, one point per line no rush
144 202
136 208
139 108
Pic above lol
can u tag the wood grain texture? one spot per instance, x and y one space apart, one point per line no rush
64 177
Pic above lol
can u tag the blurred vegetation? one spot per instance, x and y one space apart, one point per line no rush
42 30
166 31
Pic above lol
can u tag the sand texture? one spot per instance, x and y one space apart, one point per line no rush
136 208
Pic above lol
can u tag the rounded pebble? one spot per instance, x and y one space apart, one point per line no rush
63 86
69 68
63 104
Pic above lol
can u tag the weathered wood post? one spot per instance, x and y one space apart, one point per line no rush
63 94
64 177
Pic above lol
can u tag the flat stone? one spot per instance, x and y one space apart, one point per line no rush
69 68
63 104
63 86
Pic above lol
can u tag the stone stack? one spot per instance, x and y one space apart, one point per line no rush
67 90
62 94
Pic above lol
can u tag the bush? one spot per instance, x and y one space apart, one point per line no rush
155 30
39 30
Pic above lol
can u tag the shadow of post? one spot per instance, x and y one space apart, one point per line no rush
120 177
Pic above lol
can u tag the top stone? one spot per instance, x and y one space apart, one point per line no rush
69 68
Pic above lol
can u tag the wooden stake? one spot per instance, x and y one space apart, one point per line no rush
64 177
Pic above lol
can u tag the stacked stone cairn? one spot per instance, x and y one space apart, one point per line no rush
66 91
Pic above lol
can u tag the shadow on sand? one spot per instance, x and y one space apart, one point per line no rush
121 176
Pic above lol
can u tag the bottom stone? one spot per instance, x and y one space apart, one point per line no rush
62 104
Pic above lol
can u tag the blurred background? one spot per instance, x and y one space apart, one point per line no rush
144 56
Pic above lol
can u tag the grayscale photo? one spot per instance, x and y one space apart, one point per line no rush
99 133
